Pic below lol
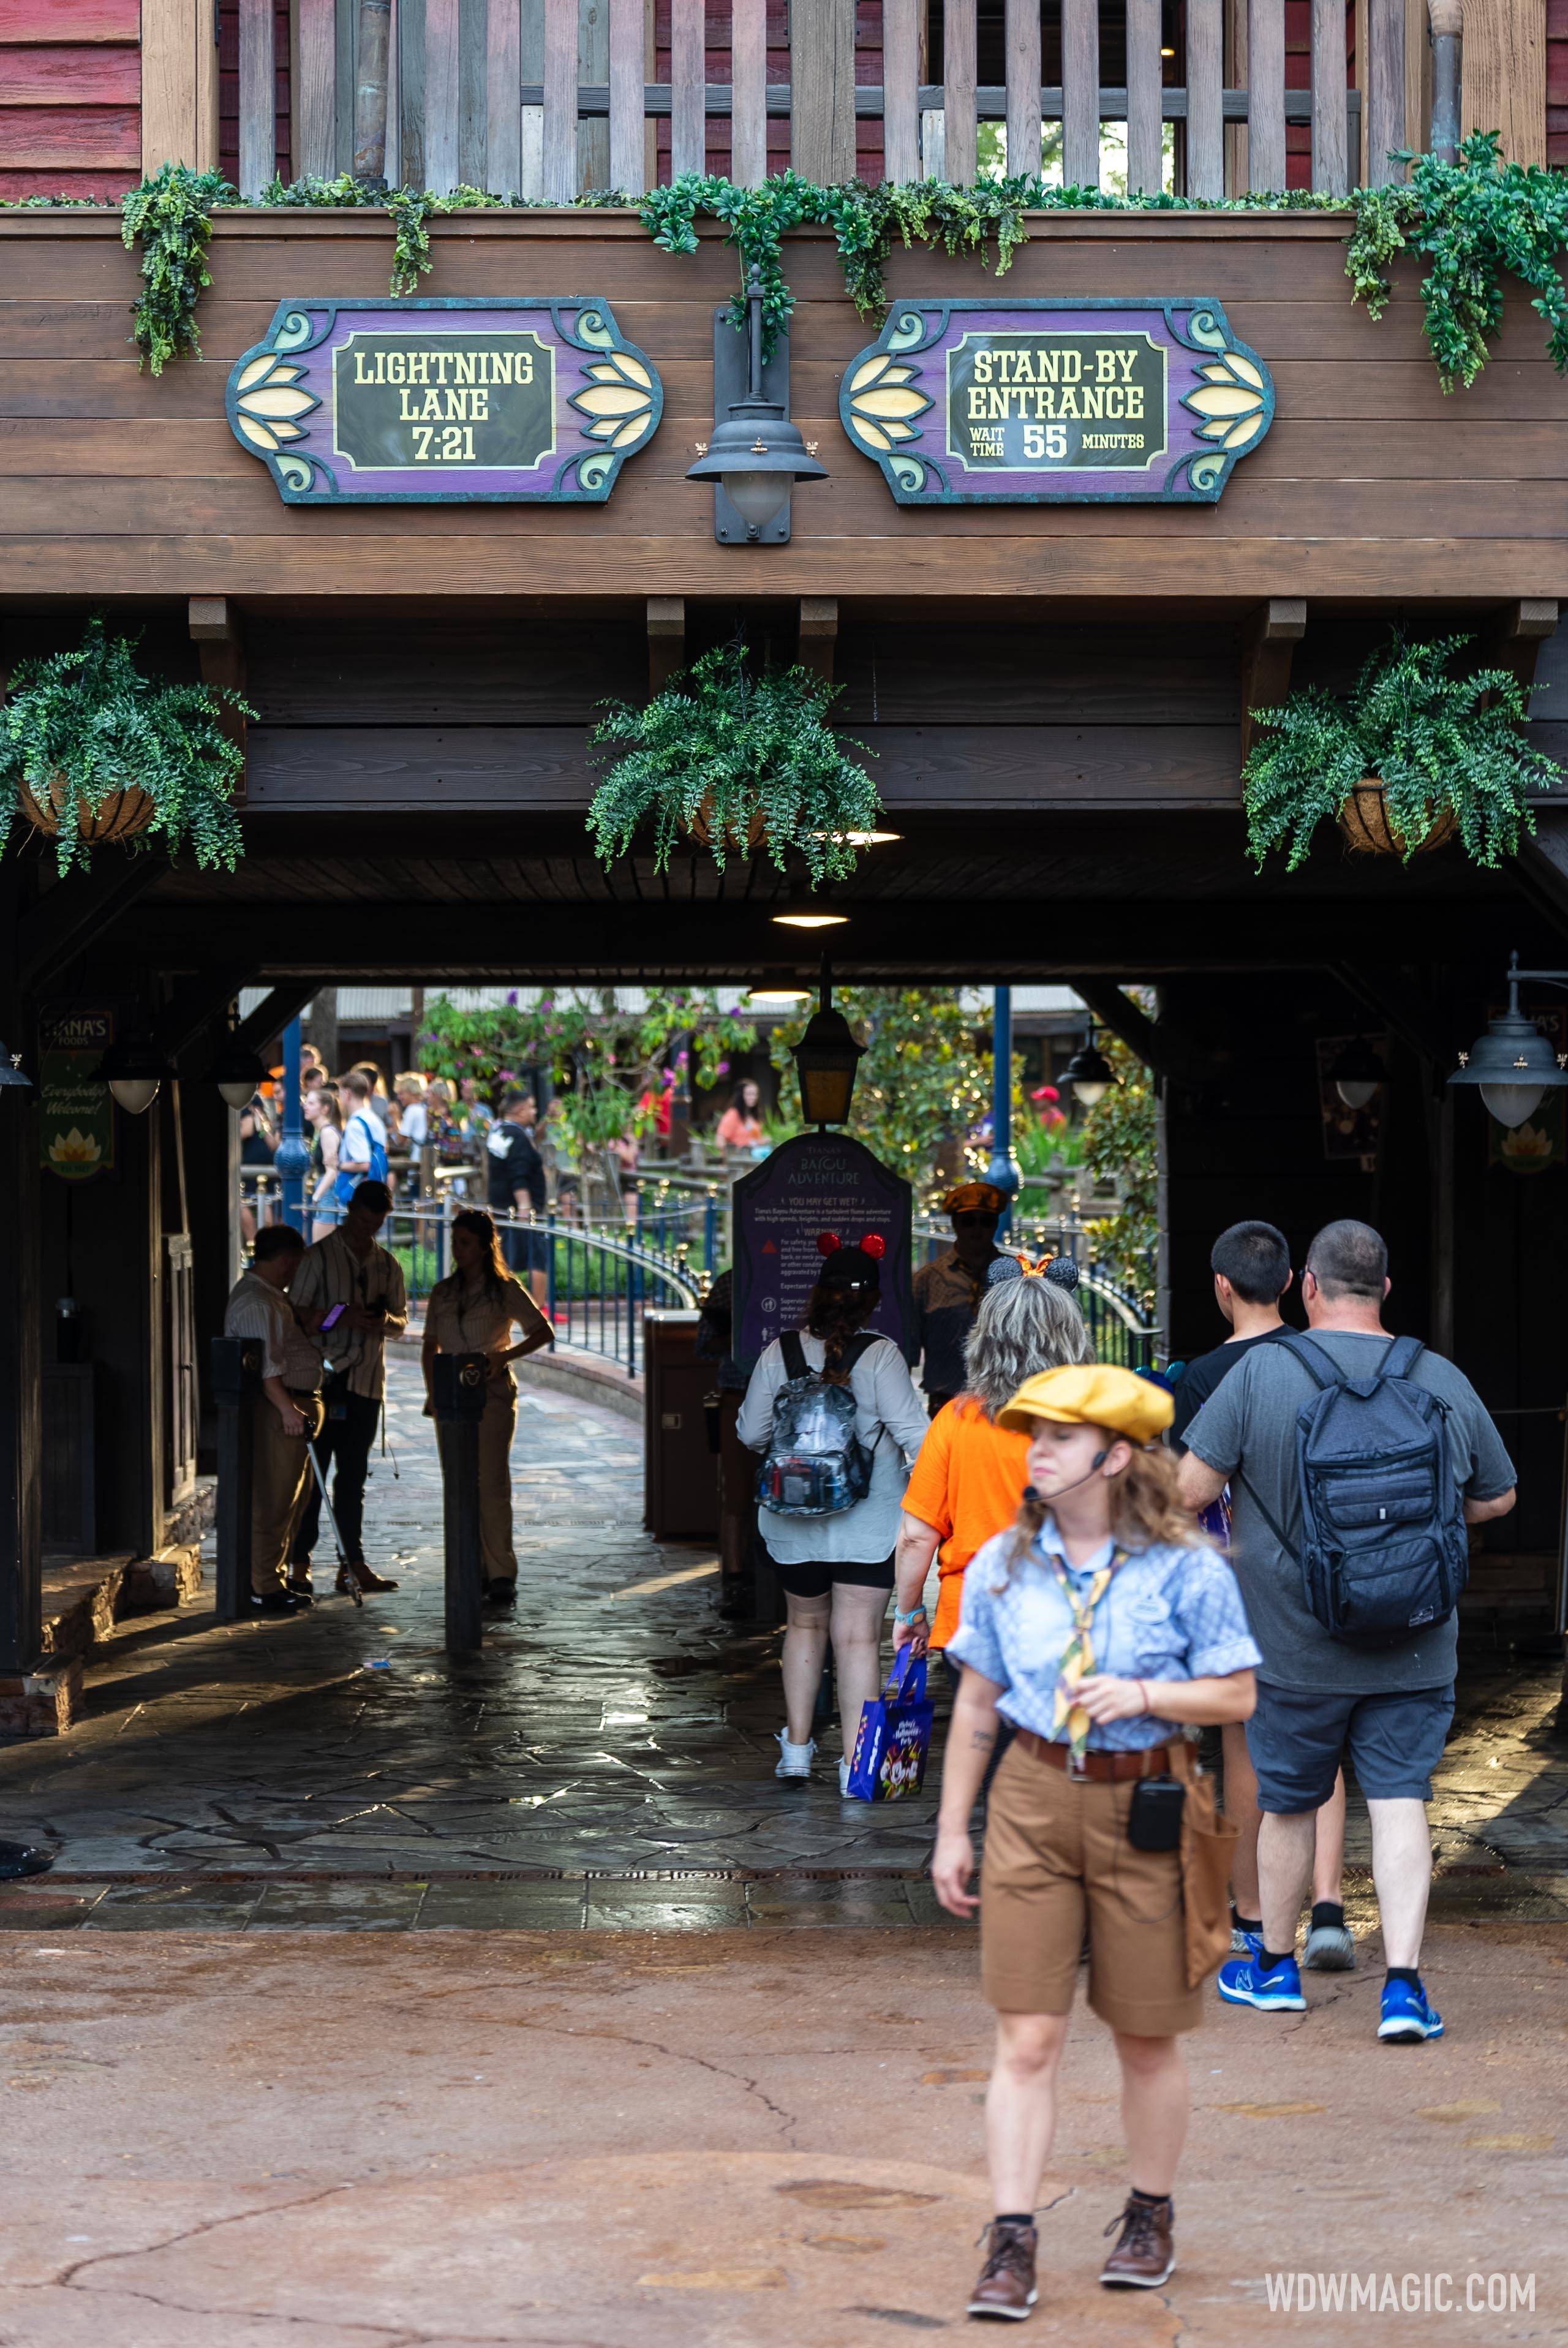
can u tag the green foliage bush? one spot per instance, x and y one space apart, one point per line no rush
94 718
725 749
1440 743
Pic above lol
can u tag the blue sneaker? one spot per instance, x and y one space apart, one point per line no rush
1243 1981
1407 2015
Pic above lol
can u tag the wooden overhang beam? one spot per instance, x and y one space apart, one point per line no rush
79 912
287 1000
197 1002
1051 939
1400 1005
1173 1058
1269 638
1541 863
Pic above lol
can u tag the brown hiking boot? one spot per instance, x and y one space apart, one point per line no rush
1145 2256
1006 2284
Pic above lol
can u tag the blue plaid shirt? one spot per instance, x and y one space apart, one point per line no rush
1168 1614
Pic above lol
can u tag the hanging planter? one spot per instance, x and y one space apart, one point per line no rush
1366 830
93 751
736 763
120 817
1414 756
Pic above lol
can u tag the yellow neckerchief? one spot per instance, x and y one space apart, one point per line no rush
1077 1660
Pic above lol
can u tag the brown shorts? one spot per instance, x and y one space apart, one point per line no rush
1056 1854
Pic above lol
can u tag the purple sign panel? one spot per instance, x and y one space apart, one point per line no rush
1081 402
389 403
818 1182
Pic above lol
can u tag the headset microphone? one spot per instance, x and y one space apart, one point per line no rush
1100 1459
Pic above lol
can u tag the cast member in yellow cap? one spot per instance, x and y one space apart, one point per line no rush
1101 1626
948 1290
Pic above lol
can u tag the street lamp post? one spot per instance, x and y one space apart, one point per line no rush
294 1154
1003 1172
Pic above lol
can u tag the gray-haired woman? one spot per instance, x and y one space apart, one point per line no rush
969 1477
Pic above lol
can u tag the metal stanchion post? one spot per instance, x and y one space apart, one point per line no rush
236 1389
458 1390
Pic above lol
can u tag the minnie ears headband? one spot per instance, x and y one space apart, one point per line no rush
1059 1270
851 1267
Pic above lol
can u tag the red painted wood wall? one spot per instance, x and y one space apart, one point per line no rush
70 98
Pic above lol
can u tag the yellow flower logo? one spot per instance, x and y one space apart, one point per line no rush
879 405
1233 400
74 1149
619 398
268 403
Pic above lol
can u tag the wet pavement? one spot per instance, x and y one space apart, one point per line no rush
606 1763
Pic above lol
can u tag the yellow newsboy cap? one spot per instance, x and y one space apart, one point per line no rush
1091 1394
969 1196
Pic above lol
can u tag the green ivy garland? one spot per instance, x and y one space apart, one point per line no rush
1440 745
737 761
1474 220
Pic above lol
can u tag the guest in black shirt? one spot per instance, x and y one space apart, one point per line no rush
516 1176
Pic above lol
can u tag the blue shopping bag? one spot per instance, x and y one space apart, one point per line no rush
894 1736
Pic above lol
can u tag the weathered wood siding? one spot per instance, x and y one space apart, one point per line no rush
70 98
1371 484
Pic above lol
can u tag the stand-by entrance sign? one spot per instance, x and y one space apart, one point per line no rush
817 1182
1082 402
387 403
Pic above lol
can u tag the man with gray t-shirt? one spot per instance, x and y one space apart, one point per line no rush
1390 1706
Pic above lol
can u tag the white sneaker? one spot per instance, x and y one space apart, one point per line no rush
794 1760
843 1781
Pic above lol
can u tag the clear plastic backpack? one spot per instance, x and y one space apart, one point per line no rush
815 1464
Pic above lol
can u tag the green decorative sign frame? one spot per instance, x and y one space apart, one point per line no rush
1089 401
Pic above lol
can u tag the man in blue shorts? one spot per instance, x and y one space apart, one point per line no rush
1390 1706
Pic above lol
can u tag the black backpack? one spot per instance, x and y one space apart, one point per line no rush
1383 1549
815 1464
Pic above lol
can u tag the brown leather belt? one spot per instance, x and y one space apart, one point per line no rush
1103 1768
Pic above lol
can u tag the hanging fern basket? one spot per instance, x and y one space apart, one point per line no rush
121 816
1365 828
703 830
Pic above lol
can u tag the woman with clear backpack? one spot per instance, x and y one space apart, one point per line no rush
835 1415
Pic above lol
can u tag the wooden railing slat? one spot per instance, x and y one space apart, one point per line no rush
473 93
560 172
628 167
503 111
688 81
258 97
1265 84
1081 93
822 83
1145 147
1385 89
1024 85
316 107
901 100
441 30
1330 156
959 69
1205 81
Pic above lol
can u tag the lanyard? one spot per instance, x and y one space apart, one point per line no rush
1077 1660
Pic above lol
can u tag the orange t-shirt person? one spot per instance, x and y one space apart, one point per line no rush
966 1485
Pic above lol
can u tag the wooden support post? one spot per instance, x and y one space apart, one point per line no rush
458 1390
237 1391
1206 115
822 90
819 634
219 636
1525 626
666 640
689 80
1145 143
748 93
178 56
1385 89
960 67
1330 116
1268 648
1081 93
21 1369
258 97
1503 78
559 101
900 90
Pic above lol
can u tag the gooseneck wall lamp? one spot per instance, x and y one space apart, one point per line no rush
1512 1063
756 454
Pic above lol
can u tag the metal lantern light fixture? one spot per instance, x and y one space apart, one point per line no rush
133 1070
826 1059
756 454
803 911
235 1071
777 998
1357 1072
1090 1073
1512 1063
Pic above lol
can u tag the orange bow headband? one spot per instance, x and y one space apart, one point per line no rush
1059 1270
